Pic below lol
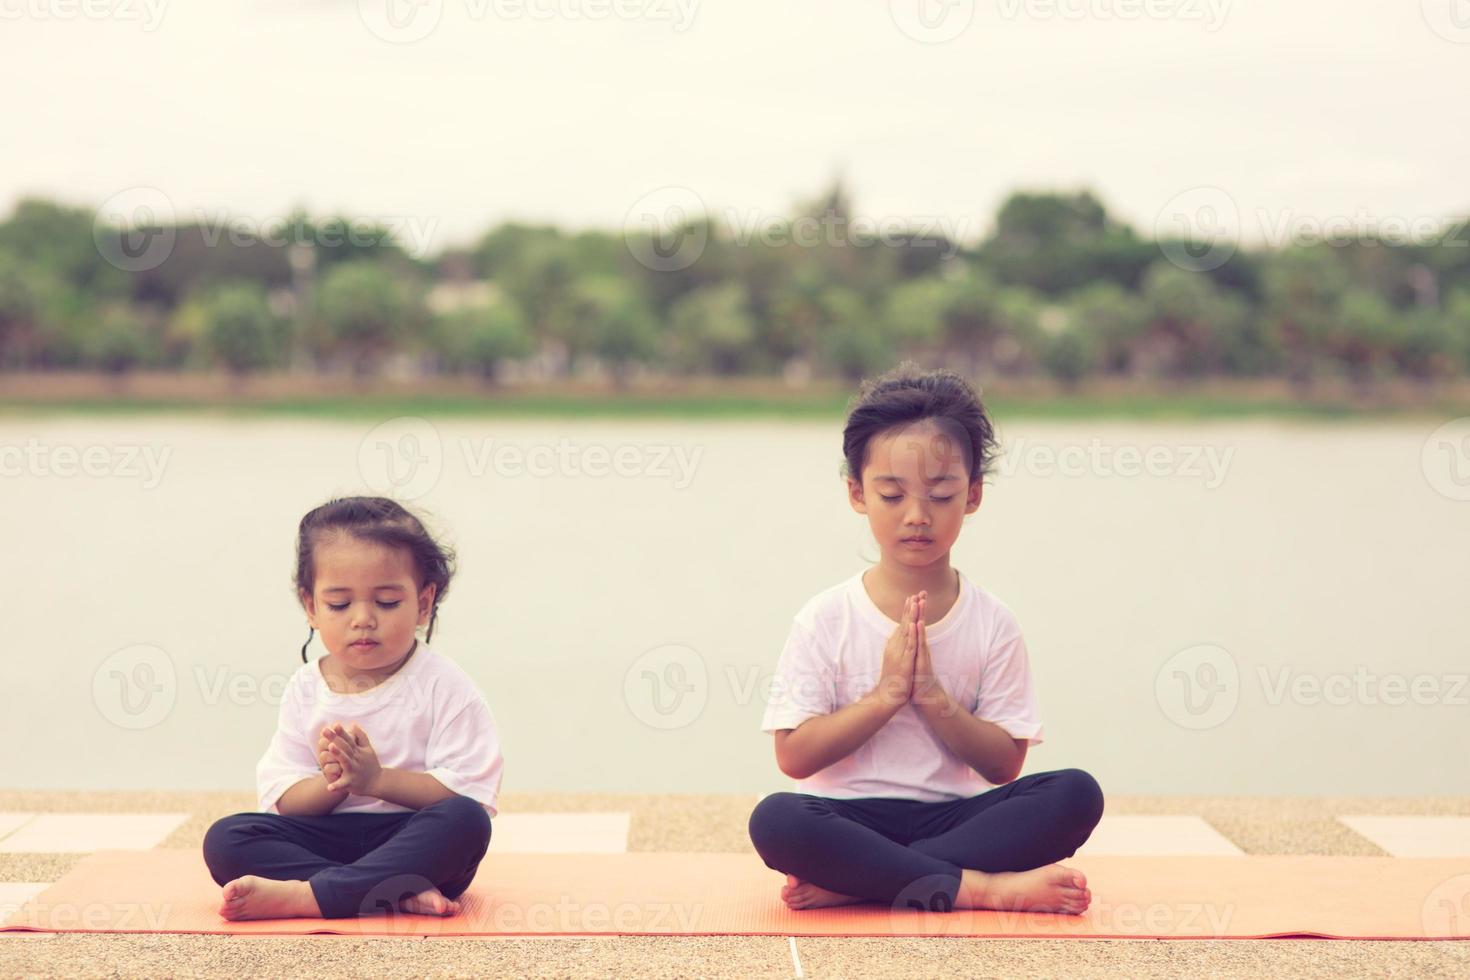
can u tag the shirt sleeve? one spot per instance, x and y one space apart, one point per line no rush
464 754
804 685
289 759
1007 692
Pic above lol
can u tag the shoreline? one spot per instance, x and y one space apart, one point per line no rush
297 395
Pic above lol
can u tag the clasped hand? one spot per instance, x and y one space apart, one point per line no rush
908 670
347 759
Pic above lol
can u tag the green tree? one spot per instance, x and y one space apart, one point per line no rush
973 325
797 316
1190 320
1114 318
1457 322
240 331
711 329
1361 335
854 340
118 342
483 338
59 240
363 312
914 312
607 319
1304 287
1425 347
1055 244
1071 353
27 305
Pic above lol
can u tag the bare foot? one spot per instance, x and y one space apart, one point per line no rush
798 894
252 897
1051 888
429 902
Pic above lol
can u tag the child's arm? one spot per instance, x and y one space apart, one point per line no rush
984 746
414 790
310 798
289 777
818 742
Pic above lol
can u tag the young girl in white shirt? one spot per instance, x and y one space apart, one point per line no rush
904 702
378 787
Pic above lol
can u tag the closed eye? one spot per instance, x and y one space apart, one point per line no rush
381 605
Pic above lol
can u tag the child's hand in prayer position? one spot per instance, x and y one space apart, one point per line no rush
324 760
927 687
348 747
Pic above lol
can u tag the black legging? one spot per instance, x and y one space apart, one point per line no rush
356 863
911 853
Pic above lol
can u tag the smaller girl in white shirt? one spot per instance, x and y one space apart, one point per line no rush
904 703
378 787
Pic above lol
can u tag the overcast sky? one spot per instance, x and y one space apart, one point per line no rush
463 113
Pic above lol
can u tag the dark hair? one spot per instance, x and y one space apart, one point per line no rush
908 395
381 521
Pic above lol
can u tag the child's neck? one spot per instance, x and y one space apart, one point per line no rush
357 681
897 579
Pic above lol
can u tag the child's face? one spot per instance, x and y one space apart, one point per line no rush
365 591
916 491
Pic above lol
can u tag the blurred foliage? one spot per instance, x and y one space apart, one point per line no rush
1057 287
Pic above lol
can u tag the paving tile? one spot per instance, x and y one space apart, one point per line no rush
560 833
1151 834
57 833
1414 836
10 822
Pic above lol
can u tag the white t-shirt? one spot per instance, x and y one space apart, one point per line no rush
834 655
428 717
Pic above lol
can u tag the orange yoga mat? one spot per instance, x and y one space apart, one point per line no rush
169 890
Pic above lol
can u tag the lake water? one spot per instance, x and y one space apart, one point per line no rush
1242 607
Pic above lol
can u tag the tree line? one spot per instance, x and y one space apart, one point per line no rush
1058 287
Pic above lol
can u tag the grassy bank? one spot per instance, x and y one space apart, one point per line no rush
290 396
